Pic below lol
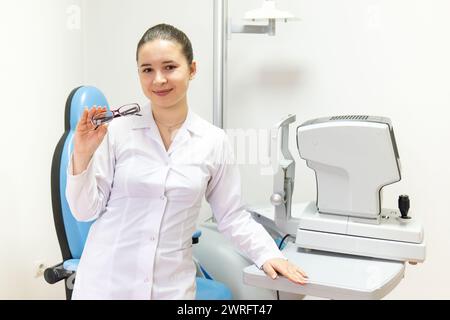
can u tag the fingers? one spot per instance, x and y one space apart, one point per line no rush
270 271
295 274
102 131
286 269
302 273
85 123
85 114
92 112
82 122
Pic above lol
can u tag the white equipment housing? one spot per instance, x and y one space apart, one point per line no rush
353 157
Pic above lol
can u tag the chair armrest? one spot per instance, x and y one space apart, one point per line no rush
56 273
195 237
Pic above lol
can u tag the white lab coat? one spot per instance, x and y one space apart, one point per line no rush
146 201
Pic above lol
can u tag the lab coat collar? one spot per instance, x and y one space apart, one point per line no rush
193 123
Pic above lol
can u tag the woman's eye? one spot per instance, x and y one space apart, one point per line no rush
170 67
146 70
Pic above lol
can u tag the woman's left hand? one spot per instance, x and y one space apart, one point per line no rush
285 268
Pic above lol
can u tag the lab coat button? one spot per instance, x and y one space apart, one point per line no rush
163 198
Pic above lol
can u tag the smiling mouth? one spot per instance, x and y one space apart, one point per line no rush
162 93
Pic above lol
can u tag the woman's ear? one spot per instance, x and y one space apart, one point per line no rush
193 70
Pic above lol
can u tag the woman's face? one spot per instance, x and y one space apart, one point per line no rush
164 73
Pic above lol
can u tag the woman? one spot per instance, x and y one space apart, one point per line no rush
143 180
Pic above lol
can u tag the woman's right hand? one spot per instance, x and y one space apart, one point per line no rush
87 139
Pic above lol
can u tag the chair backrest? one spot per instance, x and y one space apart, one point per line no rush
71 233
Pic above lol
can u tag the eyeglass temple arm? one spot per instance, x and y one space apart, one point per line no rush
134 114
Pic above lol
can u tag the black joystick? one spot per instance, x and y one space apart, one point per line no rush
403 206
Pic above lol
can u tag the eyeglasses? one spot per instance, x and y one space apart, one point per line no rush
108 116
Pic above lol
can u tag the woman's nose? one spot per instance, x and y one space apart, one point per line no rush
159 79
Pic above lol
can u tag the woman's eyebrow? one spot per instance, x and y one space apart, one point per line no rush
149 64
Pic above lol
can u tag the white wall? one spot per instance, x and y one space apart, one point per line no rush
375 57
40 63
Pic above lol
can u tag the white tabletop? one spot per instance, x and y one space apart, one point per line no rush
333 276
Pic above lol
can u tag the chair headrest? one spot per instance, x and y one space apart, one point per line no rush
79 98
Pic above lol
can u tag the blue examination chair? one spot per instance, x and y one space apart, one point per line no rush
71 233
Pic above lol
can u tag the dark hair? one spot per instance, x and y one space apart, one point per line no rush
167 32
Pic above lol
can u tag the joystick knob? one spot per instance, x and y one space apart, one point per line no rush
403 206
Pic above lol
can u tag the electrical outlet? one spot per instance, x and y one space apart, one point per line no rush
39 268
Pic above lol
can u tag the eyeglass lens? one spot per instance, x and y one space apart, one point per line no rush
108 116
102 118
129 109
